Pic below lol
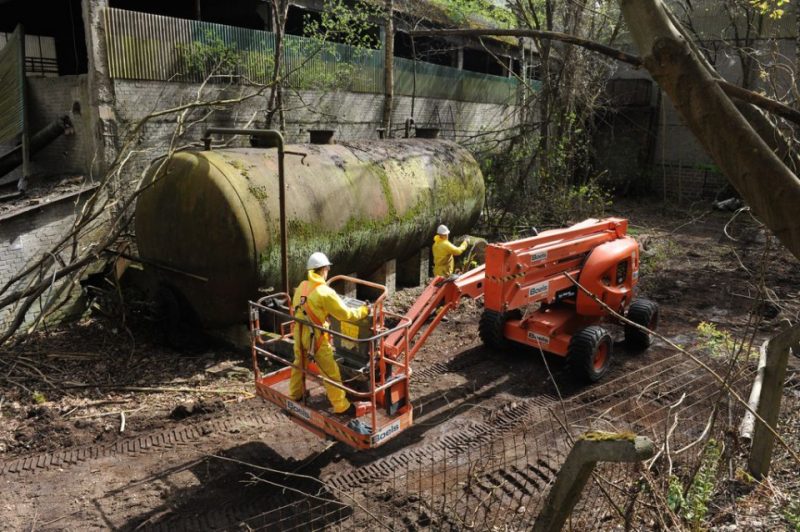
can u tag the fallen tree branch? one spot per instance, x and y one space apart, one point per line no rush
595 46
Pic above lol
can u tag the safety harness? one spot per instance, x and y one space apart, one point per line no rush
306 289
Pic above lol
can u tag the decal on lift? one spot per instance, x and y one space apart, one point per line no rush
387 432
539 338
539 289
298 410
539 255
635 274
566 293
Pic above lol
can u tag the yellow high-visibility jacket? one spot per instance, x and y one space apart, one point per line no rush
324 301
443 253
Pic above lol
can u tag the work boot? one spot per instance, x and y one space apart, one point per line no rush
306 396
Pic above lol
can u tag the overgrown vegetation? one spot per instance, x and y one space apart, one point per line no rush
466 12
544 174
791 512
346 23
210 53
717 343
691 503
655 256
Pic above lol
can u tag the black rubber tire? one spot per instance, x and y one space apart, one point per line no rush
590 353
645 313
490 329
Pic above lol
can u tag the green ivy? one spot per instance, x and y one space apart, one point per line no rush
460 11
211 55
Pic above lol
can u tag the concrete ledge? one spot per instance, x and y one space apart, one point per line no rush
46 200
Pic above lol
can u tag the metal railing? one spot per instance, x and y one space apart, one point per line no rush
277 307
144 46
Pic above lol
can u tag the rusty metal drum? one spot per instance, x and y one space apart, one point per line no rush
215 214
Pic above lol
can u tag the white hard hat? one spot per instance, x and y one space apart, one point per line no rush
317 260
443 230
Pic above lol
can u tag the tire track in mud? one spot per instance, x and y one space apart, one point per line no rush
187 435
503 420
506 418
172 438
217 505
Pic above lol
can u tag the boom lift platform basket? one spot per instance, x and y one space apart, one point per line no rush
383 410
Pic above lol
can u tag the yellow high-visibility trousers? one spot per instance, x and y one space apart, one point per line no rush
327 366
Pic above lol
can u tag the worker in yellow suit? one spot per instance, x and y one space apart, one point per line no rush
444 251
314 301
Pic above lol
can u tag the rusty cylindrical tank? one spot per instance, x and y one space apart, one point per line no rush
214 214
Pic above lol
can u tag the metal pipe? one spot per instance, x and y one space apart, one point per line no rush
38 141
276 137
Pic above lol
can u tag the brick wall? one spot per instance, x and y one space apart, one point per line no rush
681 165
29 235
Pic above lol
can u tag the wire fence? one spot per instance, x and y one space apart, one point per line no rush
501 482
144 46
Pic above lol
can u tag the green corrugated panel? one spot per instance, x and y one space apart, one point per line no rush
152 47
436 81
12 79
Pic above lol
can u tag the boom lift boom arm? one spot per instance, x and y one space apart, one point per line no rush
530 297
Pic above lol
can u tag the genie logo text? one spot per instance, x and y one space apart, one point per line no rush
387 432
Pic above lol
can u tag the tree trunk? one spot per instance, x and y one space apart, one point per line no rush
388 66
279 10
545 96
765 183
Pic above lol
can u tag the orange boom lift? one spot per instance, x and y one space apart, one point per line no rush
530 297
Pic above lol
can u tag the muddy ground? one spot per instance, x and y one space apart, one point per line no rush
104 427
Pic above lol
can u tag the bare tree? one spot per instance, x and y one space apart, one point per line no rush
751 150
750 164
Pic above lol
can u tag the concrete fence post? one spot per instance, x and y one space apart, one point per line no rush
591 448
769 401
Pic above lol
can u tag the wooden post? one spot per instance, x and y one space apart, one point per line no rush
591 448
769 404
749 420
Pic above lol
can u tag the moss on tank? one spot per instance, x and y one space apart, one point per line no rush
361 203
